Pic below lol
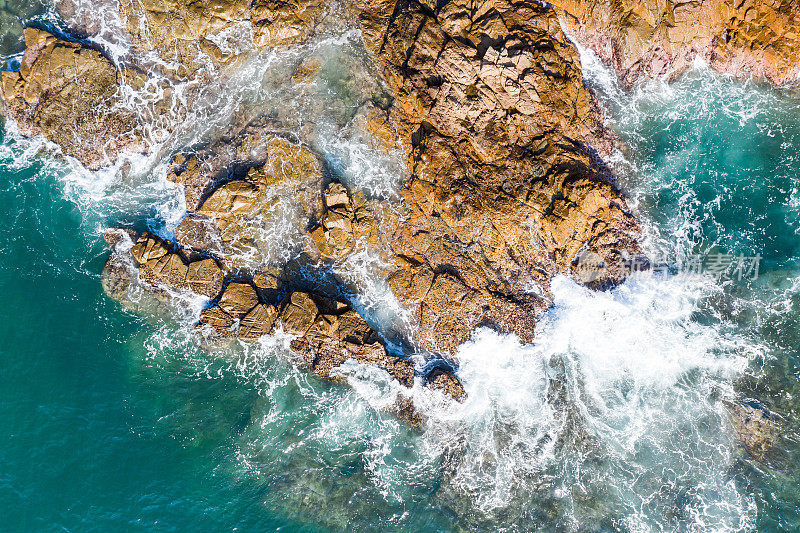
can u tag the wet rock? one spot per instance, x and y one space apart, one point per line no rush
116 279
217 31
328 332
216 324
326 341
275 186
446 382
502 138
70 93
755 427
650 38
238 299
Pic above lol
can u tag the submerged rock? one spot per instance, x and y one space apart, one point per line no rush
755 427
652 38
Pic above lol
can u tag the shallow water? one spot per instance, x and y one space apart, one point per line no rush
615 419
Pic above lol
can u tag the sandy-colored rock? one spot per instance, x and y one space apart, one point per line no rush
649 38
148 247
238 299
70 93
205 277
211 33
257 322
276 183
503 140
216 323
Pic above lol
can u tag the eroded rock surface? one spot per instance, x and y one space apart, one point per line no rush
647 38
501 136
327 332
70 93
506 184
192 36
239 197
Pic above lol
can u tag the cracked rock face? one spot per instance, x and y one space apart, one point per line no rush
238 197
197 36
507 187
68 92
651 38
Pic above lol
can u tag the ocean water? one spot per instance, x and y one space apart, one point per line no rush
615 419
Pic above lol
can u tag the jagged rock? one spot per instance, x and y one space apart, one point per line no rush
446 382
298 314
501 136
69 93
148 247
169 270
277 181
648 38
217 323
326 341
328 331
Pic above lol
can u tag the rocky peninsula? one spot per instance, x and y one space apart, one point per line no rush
503 145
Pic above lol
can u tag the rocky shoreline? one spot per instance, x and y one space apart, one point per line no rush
503 143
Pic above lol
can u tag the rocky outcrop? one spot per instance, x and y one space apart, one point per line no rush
239 194
507 185
327 332
70 93
648 38
189 37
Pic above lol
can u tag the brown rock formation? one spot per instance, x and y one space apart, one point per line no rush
507 188
273 181
214 32
68 92
647 38
328 332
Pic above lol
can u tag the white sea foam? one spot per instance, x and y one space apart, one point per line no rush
621 392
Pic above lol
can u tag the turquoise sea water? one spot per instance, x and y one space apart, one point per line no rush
615 419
